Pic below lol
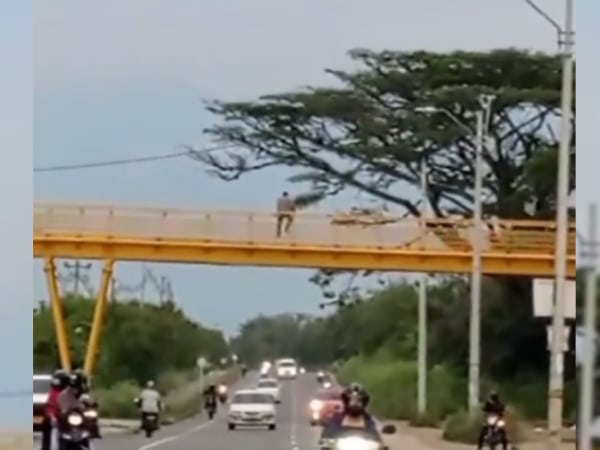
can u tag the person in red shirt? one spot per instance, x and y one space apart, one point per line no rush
52 411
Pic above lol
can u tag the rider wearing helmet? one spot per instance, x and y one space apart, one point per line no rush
210 396
69 398
85 383
354 416
493 405
52 410
150 401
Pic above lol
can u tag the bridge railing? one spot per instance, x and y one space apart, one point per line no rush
337 229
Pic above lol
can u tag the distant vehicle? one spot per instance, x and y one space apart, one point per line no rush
286 368
252 408
270 386
265 368
324 405
41 388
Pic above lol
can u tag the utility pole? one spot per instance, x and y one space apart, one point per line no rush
422 357
556 384
483 117
586 400
77 277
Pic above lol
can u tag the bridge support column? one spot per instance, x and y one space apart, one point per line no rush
98 321
60 324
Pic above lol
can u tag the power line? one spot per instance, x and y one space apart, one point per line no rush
189 152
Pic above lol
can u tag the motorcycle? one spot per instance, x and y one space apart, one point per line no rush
494 430
73 434
351 443
222 393
211 409
357 440
320 377
90 416
149 424
150 421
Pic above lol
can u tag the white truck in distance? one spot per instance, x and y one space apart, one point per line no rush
286 368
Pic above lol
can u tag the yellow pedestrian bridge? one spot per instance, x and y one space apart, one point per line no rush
357 239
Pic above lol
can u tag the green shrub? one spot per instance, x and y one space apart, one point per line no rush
173 380
117 402
393 389
462 427
424 420
183 400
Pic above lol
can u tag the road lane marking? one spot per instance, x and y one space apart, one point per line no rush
188 431
184 433
160 442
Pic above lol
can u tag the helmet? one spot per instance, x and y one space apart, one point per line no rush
60 379
355 399
74 381
83 379
494 396
150 384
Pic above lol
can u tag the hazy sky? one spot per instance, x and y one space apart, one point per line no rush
118 79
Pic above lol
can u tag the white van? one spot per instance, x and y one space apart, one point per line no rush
286 368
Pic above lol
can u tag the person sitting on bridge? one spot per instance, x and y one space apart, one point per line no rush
285 213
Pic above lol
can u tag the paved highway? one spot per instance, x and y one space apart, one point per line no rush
293 431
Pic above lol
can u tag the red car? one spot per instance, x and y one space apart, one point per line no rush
326 404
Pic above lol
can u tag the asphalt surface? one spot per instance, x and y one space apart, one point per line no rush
293 430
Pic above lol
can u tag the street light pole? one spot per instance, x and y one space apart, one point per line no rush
589 359
556 384
475 316
422 357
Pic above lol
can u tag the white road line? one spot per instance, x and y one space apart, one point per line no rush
187 432
160 442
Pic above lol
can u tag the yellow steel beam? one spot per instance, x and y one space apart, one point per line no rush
292 255
60 324
98 321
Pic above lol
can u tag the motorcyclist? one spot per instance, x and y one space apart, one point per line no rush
353 417
51 410
210 397
150 401
493 405
244 369
70 397
85 383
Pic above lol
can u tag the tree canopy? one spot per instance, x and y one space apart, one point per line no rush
140 340
372 133
375 132
513 341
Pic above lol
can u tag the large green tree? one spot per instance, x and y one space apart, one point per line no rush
140 340
513 342
371 133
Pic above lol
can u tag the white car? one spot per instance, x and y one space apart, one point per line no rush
270 386
252 408
286 368
41 389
